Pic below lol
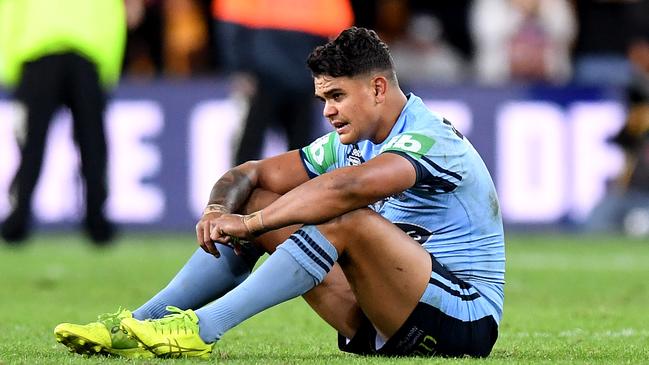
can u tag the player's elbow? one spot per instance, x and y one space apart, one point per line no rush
250 169
248 165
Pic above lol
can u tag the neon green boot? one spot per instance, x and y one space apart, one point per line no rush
102 337
174 335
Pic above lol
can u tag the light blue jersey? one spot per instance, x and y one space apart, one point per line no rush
452 210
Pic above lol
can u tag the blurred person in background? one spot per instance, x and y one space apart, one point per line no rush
626 206
262 45
143 52
60 53
605 26
423 55
417 39
186 37
522 40
168 38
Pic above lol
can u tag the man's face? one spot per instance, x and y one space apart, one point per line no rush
349 105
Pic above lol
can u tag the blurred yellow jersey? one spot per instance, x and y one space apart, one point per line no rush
30 29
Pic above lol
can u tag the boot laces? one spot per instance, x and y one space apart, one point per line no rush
177 321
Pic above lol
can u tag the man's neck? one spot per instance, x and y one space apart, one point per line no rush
393 107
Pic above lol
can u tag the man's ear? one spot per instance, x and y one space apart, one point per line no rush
380 88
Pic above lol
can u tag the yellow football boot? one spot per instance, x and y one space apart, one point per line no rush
103 337
174 335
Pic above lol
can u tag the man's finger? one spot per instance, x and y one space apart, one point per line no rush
204 247
211 248
200 237
216 233
206 232
199 233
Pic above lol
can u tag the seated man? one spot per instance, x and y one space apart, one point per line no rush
389 228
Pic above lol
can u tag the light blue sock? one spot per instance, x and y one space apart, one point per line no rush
298 264
202 279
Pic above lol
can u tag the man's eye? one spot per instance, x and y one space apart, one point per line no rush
337 96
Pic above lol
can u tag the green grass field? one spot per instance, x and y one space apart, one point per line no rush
569 299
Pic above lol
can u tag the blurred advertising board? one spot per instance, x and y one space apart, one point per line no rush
169 141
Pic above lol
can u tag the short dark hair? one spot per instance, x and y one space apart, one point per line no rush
356 51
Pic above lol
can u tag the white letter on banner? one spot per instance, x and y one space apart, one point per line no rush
131 160
531 159
213 126
595 160
214 130
57 196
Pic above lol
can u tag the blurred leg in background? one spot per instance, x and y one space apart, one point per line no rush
39 96
87 102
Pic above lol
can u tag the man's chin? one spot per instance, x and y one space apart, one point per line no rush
347 139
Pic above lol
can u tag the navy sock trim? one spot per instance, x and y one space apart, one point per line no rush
308 252
316 247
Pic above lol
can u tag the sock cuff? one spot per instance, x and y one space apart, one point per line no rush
312 251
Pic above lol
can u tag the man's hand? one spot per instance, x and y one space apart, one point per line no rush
233 230
204 227
228 227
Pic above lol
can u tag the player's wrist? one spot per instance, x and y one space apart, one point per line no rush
254 222
215 208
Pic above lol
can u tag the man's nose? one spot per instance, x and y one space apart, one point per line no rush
329 110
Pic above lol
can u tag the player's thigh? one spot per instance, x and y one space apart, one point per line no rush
387 270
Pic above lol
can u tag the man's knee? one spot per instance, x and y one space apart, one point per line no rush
349 226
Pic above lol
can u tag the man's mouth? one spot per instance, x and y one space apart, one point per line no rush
339 125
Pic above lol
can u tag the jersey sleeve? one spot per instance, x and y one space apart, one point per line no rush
432 173
321 155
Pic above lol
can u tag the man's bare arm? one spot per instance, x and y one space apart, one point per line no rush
340 191
233 188
278 174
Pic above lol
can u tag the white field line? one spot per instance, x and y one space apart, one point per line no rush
578 332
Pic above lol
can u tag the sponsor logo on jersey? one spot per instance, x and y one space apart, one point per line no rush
409 142
354 156
418 233
317 149
320 153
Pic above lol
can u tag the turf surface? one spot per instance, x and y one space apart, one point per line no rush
569 300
